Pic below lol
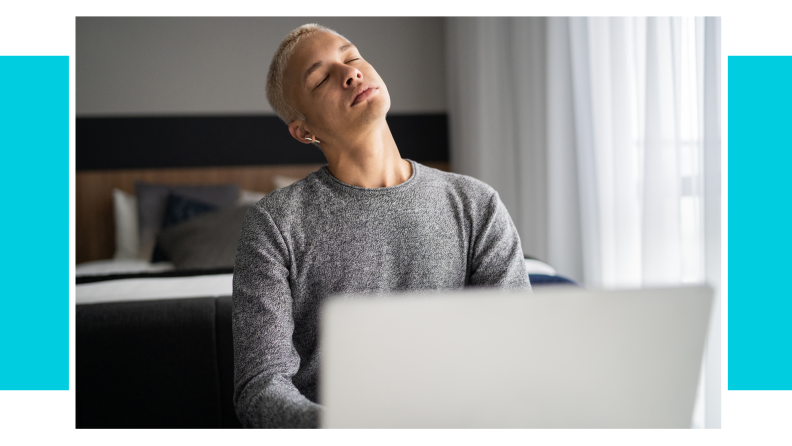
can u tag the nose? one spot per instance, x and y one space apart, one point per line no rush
351 75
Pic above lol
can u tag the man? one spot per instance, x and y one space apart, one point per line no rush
368 222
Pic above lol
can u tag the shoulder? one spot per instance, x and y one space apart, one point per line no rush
464 187
290 202
476 201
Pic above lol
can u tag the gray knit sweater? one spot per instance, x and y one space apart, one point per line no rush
320 237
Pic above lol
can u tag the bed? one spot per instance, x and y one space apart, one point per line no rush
189 249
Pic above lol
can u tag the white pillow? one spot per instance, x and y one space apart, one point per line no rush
283 181
126 225
538 267
249 197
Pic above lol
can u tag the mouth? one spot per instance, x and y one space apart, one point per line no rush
364 94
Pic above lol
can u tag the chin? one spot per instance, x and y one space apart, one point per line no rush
377 108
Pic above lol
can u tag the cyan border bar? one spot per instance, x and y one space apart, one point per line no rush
760 223
34 182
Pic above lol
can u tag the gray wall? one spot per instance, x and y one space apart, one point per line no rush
218 65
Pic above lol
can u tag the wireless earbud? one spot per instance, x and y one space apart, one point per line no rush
313 139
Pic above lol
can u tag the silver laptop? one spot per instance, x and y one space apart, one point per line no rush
562 358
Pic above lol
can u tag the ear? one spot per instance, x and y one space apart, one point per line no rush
299 131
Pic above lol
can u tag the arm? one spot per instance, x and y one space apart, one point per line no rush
497 258
264 357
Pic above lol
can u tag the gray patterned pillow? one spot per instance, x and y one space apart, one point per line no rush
152 202
204 242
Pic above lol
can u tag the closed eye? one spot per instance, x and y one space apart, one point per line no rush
323 80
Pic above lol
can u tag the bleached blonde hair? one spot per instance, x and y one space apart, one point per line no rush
275 95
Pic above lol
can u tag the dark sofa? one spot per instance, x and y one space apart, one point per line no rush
155 364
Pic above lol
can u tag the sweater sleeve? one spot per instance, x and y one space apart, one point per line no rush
497 258
265 359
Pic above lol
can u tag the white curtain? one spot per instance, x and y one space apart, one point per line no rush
602 136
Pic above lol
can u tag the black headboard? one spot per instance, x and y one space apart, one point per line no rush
202 141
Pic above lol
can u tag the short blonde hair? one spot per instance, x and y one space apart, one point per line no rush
275 95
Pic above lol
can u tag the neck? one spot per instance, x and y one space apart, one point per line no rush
370 160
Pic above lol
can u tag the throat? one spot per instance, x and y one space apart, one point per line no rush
373 175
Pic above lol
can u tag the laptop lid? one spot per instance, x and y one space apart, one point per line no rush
563 358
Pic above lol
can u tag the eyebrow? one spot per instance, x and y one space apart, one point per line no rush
316 65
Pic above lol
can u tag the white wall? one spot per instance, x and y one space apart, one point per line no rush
217 65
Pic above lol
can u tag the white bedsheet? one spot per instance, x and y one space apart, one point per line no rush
155 288
120 266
